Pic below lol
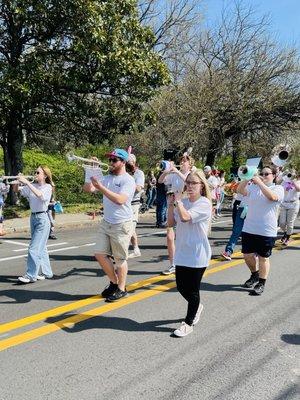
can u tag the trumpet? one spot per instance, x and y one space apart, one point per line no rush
88 163
167 165
13 180
280 155
247 172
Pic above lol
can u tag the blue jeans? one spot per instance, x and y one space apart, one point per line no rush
38 257
151 196
161 210
236 231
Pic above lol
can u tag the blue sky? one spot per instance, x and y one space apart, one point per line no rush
284 16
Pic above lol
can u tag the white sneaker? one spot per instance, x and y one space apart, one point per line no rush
197 316
25 279
169 271
42 277
136 253
183 330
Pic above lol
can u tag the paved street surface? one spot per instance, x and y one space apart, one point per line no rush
61 341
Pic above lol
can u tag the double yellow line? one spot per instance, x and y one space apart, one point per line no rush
70 321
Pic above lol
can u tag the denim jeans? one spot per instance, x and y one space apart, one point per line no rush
236 230
151 196
161 210
38 257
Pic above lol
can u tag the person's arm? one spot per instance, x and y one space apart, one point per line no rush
179 173
266 191
163 176
89 188
117 198
171 209
184 215
38 193
242 188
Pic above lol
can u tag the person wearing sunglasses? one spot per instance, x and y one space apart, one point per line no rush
116 227
38 194
174 180
260 227
192 217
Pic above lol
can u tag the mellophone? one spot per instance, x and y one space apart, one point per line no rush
92 167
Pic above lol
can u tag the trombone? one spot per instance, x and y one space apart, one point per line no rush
88 163
13 180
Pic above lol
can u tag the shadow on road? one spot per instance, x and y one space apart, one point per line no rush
25 296
291 338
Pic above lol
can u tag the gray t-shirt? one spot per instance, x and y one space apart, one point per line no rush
139 178
121 184
38 204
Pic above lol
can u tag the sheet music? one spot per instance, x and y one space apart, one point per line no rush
96 172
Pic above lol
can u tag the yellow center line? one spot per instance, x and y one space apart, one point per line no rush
66 322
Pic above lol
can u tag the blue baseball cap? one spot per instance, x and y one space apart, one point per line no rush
120 153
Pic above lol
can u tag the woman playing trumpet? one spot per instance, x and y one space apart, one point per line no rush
39 195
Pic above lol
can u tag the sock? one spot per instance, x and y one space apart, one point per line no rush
262 281
287 237
255 274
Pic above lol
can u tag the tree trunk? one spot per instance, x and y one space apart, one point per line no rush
236 151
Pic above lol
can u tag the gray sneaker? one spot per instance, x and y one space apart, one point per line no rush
169 271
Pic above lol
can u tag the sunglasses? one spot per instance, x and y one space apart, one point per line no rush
114 160
265 173
37 173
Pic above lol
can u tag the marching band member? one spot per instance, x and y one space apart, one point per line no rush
174 180
139 178
4 189
260 227
213 184
39 195
220 192
192 217
116 227
289 208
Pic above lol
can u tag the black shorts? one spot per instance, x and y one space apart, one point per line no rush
261 245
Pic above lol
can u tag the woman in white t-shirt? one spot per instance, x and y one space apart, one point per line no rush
260 227
192 216
174 180
289 208
39 195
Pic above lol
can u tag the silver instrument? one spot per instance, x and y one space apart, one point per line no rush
88 162
13 180
280 155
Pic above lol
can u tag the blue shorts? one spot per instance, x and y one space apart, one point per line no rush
261 245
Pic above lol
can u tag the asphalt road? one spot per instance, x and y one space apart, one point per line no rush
61 341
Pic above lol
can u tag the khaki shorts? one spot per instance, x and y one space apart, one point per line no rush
114 239
135 210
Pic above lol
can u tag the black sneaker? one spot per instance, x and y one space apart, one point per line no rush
117 295
109 290
251 282
258 289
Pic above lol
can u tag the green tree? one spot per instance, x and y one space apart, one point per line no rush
77 70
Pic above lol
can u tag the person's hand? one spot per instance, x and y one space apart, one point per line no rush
170 198
98 185
178 196
256 180
22 179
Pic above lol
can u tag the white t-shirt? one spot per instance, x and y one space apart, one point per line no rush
262 213
121 184
192 248
291 196
37 204
174 183
139 178
213 184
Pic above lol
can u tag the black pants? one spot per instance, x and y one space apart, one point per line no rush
188 285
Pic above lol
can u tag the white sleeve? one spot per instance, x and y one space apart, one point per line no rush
278 189
200 212
46 193
24 191
140 179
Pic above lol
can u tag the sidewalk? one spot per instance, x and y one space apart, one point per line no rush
65 221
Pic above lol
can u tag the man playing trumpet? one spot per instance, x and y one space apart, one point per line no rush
116 227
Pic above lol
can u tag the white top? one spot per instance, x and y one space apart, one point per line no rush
139 178
192 248
121 184
174 183
213 183
291 196
262 213
37 204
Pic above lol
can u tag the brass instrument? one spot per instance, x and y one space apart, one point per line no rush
247 172
280 155
13 180
88 163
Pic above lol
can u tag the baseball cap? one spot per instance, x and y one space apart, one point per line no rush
132 158
120 153
207 168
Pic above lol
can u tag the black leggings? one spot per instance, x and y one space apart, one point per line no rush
188 285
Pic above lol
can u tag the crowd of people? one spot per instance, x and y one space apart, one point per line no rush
187 200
